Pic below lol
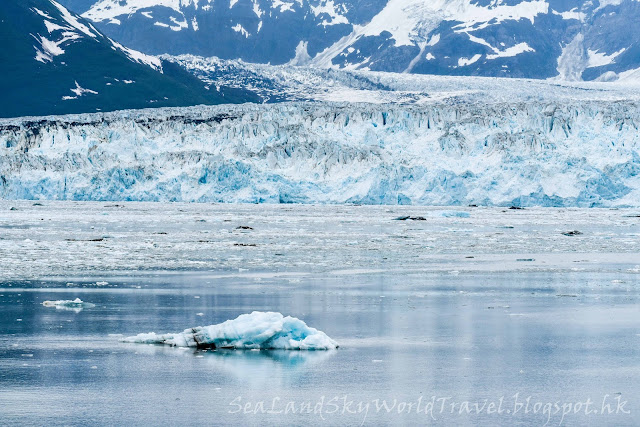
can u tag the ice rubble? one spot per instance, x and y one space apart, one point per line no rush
551 153
258 330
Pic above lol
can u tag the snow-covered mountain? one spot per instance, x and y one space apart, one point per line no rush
569 39
459 140
54 62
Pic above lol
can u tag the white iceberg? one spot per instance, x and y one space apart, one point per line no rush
76 304
258 330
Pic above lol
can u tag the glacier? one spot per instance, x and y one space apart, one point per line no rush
258 330
473 147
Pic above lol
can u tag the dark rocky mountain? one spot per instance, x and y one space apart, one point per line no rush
569 39
55 62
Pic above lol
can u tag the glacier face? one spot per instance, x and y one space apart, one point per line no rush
444 152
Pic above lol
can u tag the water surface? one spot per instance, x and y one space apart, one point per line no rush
491 309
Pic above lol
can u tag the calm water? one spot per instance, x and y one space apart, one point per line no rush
449 338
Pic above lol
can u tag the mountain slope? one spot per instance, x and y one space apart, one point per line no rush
572 39
54 62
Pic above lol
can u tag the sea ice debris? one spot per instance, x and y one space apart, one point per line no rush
455 214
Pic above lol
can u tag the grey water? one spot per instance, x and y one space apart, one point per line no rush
526 347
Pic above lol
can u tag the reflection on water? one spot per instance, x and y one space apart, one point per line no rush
551 336
252 367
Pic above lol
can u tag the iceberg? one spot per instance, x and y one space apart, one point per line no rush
76 304
258 330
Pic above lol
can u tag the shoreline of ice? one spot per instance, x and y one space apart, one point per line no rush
258 330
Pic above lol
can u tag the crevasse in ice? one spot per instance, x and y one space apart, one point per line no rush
258 330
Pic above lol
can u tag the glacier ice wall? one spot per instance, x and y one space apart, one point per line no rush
445 153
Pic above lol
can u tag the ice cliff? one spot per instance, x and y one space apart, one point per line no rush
258 330
446 152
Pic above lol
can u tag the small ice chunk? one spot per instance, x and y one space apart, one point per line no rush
76 303
258 330
455 214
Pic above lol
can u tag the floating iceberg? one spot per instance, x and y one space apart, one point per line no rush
258 330
69 304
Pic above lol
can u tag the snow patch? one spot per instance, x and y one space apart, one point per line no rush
571 14
73 21
511 51
178 25
599 59
283 6
463 62
139 57
256 9
240 29
79 91
329 8
41 13
51 27
50 49
106 10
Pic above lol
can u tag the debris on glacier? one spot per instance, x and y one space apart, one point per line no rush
443 214
258 330
572 233
411 218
